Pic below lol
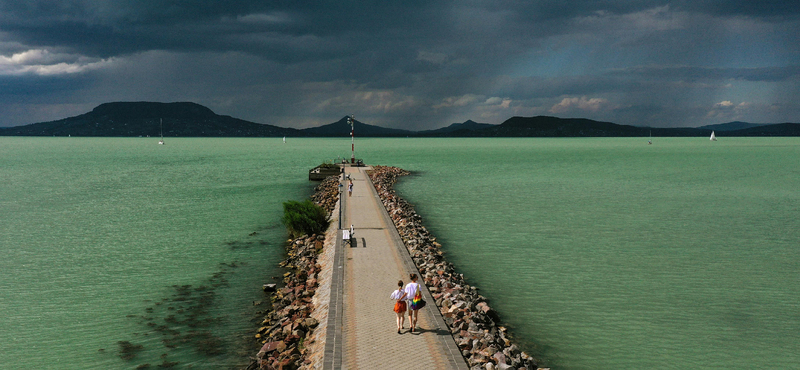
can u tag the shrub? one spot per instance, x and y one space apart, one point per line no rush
304 218
328 165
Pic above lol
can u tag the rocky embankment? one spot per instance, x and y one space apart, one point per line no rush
473 323
286 333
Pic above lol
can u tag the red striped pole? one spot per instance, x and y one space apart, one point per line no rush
352 139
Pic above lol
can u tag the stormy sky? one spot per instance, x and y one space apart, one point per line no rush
406 64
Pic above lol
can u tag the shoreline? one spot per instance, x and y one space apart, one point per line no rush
474 325
292 332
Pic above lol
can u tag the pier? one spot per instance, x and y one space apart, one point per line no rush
361 330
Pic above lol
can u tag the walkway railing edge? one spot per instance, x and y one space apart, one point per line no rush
334 348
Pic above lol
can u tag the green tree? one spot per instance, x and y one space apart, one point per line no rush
304 218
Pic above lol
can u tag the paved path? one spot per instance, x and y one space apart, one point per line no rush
367 337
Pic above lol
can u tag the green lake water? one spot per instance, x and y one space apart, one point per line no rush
598 253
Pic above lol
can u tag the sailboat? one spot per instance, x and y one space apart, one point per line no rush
161 125
713 137
650 141
284 139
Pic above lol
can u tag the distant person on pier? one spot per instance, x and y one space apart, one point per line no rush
399 305
350 188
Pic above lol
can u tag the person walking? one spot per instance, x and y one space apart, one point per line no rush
399 296
350 188
411 291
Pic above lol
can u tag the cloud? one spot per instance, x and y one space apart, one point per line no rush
727 110
264 18
368 101
44 63
458 101
760 9
435 58
415 63
646 21
498 102
701 73
580 104
493 101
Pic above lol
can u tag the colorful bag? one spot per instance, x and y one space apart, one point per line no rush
418 303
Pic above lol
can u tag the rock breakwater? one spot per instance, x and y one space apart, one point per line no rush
286 333
484 343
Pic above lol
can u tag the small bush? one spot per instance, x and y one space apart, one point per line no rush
328 165
304 218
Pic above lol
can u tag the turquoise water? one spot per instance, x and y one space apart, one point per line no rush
598 253
610 254
109 240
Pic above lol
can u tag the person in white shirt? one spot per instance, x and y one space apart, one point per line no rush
399 296
411 290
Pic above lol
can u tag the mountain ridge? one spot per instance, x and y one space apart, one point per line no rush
731 126
187 119
341 128
468 125
126 119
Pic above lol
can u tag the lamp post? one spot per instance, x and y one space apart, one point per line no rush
352 121
341 202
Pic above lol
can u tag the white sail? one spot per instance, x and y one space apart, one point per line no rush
713 137
161 128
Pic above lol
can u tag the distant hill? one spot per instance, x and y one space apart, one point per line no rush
142 119
130 119
569 127
545 126
780 129
466 126
730 126
341 128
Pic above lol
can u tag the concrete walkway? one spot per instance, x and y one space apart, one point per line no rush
364 332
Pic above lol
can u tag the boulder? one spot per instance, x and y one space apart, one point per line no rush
310 323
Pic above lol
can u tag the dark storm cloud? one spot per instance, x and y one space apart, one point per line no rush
21 89
766 8
108 28
280 30
685 73
414 64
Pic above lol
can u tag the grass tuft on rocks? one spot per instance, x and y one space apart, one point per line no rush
304 218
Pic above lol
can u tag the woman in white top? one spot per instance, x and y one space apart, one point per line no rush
411 291
399 296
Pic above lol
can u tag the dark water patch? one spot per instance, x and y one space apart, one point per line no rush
128 351
192 324
186 323
237 245
273 226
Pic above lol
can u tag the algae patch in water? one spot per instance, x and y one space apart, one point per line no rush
185 321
